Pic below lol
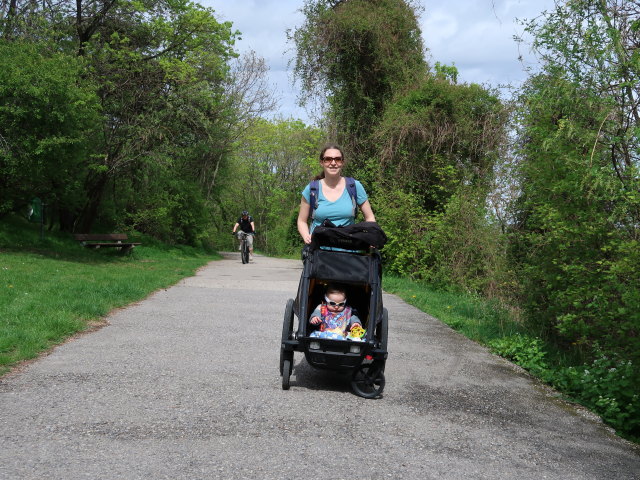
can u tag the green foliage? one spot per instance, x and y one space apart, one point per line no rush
449 72
273 162
467 249
578 225
46 123
361 53
528 352
163 73
176 214
575 241
124 118
407 227
609 387
438 144
439 135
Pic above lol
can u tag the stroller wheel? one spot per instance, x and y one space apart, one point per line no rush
286 374
287 332
368 381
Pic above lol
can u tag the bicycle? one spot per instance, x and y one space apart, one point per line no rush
244 245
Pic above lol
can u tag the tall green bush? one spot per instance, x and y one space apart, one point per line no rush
47 121
408 228
438 144
576 240
469 248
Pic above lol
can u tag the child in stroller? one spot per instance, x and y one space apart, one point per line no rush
336 319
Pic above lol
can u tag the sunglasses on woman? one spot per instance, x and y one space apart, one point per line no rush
335 304
337 160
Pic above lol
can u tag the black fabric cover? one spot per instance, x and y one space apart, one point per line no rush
359 236
342 267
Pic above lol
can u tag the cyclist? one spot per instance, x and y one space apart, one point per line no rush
245 223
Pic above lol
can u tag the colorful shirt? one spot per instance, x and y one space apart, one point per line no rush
334 323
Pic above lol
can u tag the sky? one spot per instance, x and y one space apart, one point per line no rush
474 35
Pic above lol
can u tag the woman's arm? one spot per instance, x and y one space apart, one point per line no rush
365 208
303 216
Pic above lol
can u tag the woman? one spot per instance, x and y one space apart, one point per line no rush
334 202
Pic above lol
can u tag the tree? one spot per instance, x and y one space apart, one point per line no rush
353 57
173 100
594 43
150 62
47 121
440 135
576 239
273 161
438 145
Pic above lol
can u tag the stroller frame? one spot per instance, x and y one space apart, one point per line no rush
361 274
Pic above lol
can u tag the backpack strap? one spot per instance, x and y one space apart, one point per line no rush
313 198
314 187
351 188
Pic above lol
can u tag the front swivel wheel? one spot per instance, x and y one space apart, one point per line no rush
368 380
286 374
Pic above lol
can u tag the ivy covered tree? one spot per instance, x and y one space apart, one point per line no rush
439 143
352 58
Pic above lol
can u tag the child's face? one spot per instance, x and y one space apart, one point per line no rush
336 298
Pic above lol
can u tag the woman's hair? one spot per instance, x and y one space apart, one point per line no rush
328 146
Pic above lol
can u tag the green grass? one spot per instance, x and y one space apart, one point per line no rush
477 319
52 288
488 323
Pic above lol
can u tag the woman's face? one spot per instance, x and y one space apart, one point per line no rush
332 161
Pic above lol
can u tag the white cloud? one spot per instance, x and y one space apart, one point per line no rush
475 35
263 25
482 48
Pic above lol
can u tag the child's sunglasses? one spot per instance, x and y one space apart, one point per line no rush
335 304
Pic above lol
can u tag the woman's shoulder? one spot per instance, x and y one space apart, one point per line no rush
360 191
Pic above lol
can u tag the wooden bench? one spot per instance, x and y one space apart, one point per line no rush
99 240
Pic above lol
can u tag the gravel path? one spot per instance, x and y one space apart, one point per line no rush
185 385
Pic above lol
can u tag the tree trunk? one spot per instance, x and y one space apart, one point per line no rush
90 211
